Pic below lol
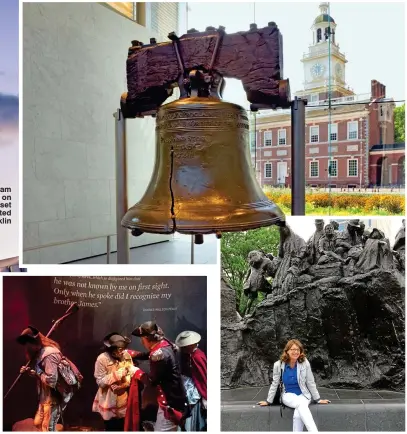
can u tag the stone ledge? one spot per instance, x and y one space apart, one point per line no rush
341 415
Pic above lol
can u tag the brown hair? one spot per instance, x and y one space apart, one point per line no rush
47 342
285 356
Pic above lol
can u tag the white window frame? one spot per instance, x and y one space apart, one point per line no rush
314 97
331 132
357 167
329 162
310 170
310 133
280 138
266 133
265 171
357 130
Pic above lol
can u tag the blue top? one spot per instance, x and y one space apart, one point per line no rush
290 380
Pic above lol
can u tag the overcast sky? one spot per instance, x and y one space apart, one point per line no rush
370 34
9 46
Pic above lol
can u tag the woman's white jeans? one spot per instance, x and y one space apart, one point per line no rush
302 415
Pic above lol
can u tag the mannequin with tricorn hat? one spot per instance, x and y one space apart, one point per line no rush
114 370
165 376
194 373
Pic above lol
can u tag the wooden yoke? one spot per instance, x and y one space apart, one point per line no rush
255 57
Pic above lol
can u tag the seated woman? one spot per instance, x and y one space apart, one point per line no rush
298 385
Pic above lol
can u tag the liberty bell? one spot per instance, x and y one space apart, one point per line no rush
203 181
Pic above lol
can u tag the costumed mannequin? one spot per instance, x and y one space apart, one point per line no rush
53 372
165 376
193 369
114 370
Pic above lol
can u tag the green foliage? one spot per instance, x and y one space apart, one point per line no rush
235 246
399 124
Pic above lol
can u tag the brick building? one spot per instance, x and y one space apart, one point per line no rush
350 145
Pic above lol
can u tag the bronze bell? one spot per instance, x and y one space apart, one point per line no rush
203 181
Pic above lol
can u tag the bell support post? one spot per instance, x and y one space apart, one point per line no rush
121 187
298 156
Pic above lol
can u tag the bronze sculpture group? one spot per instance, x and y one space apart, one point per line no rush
328 253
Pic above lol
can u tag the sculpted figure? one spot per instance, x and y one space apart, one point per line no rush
292 275
327 246
349 241
399 248
313 242
335 225
376 253
291 245
255 282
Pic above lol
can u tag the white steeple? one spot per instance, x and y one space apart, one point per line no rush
324 64
324 7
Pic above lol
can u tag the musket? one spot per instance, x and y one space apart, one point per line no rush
71 310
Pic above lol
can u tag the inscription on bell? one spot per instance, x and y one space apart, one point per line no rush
206 124
185 146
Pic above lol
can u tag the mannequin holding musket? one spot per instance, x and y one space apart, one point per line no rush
57 377
165 376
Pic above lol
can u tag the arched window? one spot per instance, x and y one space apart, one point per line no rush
319 37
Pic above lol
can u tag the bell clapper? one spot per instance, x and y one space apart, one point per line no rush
218 235
199 239
136 232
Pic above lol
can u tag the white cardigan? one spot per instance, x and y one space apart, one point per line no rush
305 380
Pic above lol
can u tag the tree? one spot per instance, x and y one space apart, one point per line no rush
235 247
399 124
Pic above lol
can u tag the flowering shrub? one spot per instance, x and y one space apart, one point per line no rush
368 203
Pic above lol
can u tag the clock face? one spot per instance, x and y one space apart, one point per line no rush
339 70
317 70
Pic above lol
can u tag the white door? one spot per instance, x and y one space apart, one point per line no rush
281 172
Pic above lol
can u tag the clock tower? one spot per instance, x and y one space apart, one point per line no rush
324 64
